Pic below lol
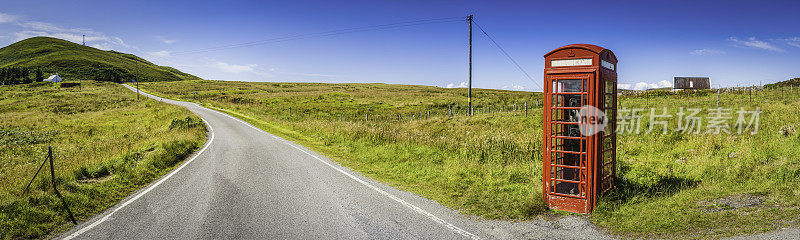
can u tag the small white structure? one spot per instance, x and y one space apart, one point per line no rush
53 78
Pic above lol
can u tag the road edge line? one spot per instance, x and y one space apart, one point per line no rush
140 194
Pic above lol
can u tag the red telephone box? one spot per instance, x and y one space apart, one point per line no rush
580 80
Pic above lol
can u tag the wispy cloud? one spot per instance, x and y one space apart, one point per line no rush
275 70
77 35
49 29
41 26
644 85
514 87
163 53
7 18
165 40
794 42
706 52
119 41
313 74
102 46
76 38
460 85
752 42
233 68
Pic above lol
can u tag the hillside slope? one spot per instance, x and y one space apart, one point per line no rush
791 82
77 61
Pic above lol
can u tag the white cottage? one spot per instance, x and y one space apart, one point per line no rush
53 78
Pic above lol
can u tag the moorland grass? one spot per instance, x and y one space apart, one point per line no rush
106 144
670 185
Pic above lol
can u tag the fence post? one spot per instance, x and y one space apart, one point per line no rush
450 111
526 108
718 98
53 179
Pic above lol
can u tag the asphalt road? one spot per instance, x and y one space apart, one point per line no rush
249 184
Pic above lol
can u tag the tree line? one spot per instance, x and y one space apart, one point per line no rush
20 75
116 75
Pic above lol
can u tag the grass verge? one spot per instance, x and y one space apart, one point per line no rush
106 145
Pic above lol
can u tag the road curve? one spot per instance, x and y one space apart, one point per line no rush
245 183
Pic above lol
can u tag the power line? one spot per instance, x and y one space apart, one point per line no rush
507 55
326 33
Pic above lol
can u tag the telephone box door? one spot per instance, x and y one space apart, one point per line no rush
568 181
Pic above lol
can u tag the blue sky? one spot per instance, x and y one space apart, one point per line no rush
733 42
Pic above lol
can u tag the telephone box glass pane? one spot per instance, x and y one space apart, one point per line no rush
610 86
569 100
564 144
610 101
569 85
608 167
611 116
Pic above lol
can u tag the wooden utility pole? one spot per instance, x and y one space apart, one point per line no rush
469 92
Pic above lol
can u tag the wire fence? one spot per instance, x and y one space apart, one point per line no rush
291 111
368 115
365 114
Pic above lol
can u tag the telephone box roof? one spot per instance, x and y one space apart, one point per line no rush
590 47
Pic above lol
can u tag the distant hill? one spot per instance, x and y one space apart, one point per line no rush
791 82
72 60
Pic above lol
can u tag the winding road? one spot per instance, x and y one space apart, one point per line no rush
245 183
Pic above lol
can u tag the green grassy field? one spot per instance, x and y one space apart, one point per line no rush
106 145
676 185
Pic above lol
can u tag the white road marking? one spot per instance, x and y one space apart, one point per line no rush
106 217
377 189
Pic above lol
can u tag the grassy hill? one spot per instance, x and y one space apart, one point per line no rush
791 82
77 61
